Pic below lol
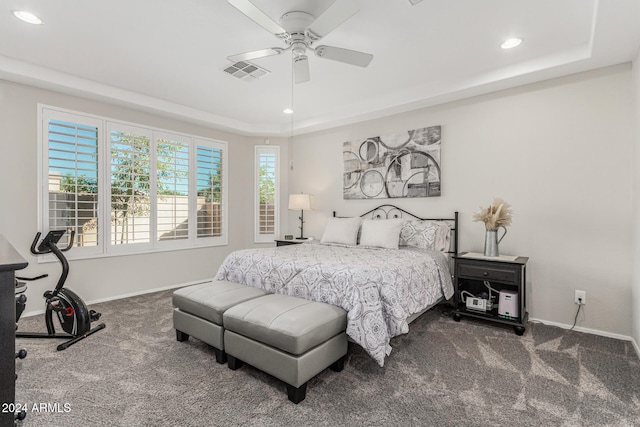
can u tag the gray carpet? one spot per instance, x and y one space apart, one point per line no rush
443 373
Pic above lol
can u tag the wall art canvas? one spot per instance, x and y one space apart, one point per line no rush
404 164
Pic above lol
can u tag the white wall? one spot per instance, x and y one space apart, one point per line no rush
560 151
103 278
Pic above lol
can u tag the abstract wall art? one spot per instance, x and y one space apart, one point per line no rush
404 164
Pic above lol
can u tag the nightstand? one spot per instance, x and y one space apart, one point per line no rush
506 275
280 242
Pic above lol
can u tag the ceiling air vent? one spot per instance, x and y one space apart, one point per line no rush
245 71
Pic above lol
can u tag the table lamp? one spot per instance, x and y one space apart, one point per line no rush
300 202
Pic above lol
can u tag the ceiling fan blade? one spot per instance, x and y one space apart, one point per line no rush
247 56
336 14
260 18
347 56
301 69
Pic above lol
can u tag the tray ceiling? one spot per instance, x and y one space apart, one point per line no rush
169 57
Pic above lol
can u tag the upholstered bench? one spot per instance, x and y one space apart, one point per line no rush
199 308
290 338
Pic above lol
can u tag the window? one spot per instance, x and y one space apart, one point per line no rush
130 186
127 188
172 185
267 179
209 188
70 199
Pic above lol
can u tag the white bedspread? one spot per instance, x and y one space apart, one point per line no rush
379 288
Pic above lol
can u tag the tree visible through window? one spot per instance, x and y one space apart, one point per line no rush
173 189
267 159
72 171
209 185
130 188
124 186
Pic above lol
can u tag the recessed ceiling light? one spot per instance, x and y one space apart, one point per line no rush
511 43
287 111
27 17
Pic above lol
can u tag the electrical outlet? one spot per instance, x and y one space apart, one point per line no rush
581 297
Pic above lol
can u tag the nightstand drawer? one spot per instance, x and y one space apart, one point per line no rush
289 242
482 272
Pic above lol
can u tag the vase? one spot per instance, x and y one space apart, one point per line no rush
491 242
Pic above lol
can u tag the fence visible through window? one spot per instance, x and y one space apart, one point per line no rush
209 185
126 188
266 196
73 180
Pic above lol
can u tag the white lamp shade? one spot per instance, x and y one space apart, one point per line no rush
299 202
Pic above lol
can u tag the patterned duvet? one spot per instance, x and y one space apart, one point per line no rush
379 288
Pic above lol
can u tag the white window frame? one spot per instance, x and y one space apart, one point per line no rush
257 236
44 115
104 126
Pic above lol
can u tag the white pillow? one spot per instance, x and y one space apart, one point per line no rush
381 233
341 230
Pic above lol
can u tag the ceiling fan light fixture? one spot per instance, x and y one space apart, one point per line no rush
298 48
511 43
27 17
301 30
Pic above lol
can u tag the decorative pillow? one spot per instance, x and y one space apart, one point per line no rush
381 233
426 235
341 230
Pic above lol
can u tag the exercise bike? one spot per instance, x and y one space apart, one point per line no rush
75 319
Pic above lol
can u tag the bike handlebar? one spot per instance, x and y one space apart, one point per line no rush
35 242
49 250
70 245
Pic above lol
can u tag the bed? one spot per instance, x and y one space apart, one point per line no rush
356 266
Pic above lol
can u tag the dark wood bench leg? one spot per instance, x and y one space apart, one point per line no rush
338 365
221 356
234 363
181 336
297 394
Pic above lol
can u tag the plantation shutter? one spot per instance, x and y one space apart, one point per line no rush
72 159
210 197
130 194
126 188
172 186
267 182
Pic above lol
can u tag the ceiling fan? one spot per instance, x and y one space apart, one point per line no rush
300 30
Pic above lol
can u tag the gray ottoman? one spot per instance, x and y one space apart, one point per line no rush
199 308
290 338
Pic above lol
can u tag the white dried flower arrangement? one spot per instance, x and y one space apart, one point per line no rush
497 214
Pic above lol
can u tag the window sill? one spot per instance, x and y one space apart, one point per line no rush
44 259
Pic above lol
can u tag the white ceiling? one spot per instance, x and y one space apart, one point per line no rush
167 56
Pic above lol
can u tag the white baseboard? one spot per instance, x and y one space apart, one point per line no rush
590 331
132 294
